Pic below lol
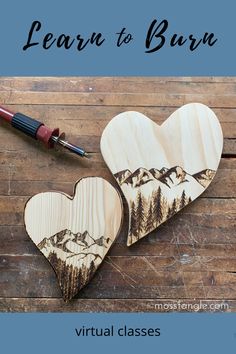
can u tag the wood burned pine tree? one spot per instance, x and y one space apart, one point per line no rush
157 207
140 214
164 205
172 209
169 213
177 204
150 217
75 277
133 221
183 200
92 269
147 214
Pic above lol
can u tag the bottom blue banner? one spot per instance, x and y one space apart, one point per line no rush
117 333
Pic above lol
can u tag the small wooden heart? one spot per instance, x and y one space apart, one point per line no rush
75 233
161 169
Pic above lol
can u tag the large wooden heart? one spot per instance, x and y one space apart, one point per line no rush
161 169
75 233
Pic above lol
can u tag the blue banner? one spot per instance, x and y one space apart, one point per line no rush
117 38
118 333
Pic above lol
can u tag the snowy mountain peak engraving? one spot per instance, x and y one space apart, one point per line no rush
169 176
204 177
157 194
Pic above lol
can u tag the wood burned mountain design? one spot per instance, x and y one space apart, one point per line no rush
76 255
156 195
75 233
161 168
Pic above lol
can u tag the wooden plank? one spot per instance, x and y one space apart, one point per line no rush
212 231
120 84
115 305
18 167
164 242
84 134
205 208
88 123
54 114
75 129
114 267
17 142
116 99
223 185
125 277
188 228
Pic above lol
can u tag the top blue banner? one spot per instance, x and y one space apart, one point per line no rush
123 38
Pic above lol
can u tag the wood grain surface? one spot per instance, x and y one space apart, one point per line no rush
75 232
189 261
161 168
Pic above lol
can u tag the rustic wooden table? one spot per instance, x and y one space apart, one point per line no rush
188 260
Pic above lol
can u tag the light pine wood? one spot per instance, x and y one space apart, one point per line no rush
161 169
75 233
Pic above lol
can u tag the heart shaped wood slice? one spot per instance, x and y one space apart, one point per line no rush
75 233
161 169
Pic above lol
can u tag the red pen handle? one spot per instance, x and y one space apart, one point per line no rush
37 130
30 126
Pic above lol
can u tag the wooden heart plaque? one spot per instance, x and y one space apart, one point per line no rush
161 169
75 233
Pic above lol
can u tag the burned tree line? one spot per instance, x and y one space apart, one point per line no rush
71 278
147 214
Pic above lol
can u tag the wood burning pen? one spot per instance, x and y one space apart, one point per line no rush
38 131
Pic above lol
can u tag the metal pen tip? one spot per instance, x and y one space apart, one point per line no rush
71 147
87 155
